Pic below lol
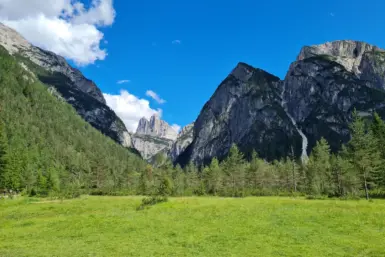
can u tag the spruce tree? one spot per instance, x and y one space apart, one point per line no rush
212 177
378 130
3 157
234 171
363 152
318 169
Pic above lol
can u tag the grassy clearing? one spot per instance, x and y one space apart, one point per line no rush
266 226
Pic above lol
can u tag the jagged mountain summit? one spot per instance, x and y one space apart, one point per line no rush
156 136
156 127
68 83
258 111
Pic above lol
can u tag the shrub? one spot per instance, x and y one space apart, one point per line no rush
149 201
316 197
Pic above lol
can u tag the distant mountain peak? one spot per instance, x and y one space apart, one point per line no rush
156 127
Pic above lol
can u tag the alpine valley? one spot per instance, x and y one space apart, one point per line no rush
251 108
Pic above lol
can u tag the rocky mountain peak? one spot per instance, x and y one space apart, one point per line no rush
11 40
68 83
242 72
156 127
17 44
186 130
348 53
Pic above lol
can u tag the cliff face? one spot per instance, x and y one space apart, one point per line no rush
185 137
156 127
366 61
153 136
245 110
80 92
256 110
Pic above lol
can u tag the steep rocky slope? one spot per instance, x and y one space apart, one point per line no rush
185 137
256 110
80 92
245 110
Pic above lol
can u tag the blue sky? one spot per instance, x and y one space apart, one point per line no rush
210 37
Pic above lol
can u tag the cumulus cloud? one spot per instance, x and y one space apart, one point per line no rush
176 127
123 81
155 96
130 108
176 42
65 27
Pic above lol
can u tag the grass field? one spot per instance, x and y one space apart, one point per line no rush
266 226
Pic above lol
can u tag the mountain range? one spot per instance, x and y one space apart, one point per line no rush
258 111
251 107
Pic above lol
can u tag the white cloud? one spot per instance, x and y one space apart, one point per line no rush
332 14
155 96
130 108
65 27
123 81
176 42
176 127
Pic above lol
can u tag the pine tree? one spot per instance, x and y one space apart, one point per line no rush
254 173
318 169
165 187
3 156
212 177
363 152
234 170
345 180
378 130
294 170
178 179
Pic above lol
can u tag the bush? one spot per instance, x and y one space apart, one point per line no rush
149 201
316 197
350 197
377 193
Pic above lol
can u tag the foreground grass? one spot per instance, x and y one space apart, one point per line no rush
111 226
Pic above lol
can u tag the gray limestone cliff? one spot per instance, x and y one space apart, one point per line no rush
258 111
69 83
153 136
185 137
156 127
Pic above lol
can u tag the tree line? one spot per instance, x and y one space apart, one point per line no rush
46 149
357 170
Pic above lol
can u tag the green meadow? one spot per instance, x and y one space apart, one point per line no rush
193 226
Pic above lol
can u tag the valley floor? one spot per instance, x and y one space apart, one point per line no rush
197 226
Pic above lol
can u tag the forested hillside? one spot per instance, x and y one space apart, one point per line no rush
46 147
356 171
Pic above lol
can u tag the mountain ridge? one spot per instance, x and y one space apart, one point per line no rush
77 90
156 136
314 100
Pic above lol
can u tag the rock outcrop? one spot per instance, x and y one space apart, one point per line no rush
148 146
156 127
258 111
153 136
185 137
245 110
80 92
